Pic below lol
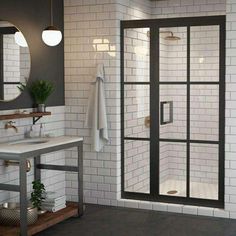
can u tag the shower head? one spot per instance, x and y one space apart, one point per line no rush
172 37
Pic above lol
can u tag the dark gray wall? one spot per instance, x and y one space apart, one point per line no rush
31 17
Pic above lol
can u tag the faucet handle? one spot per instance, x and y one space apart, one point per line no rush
9 124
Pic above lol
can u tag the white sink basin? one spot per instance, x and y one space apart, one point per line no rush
32 141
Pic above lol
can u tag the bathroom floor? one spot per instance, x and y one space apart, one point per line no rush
197 189
115 221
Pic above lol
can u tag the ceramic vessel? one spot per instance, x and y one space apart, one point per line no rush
10 214
41 108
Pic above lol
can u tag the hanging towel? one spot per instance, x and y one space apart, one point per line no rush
96 116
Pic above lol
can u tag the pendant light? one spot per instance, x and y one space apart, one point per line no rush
51 35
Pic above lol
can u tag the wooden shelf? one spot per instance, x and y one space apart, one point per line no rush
45 221
24 115
35 115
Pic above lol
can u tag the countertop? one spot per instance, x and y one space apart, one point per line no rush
10 150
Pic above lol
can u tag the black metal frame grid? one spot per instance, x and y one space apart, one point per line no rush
154 25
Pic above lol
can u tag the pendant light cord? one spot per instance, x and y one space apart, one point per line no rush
51 13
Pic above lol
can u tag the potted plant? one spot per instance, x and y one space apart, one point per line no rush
40 90
38 195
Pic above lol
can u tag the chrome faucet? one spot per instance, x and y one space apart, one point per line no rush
41 132
9 125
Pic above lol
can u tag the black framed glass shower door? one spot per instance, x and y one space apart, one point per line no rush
172 110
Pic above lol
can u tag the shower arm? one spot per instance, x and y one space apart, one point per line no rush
167 32
162 32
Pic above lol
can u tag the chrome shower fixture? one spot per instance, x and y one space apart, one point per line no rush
171 37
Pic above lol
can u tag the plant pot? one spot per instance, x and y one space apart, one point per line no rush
41 108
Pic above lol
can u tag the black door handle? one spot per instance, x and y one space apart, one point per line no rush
169 119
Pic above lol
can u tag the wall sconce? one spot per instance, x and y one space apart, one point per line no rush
51 35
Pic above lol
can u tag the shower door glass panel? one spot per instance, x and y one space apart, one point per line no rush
136 111
177 114
204 162
205 51
173 54
204 112
137 55
137 166
172 174
173 111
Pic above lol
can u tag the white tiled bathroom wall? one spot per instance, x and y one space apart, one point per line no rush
92 31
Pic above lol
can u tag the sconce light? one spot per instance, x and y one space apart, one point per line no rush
51 35
20 39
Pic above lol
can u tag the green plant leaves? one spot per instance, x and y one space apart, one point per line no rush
40 90
37 194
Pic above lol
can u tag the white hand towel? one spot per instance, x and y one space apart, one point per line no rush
96 115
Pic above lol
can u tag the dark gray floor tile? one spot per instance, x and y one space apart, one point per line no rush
111 221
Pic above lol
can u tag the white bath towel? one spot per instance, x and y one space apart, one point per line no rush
96 115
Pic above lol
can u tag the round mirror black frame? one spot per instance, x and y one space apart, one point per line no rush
10 29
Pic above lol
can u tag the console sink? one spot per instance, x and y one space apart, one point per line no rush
32 141
31 147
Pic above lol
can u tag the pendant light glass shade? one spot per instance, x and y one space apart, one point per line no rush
20 39
52 36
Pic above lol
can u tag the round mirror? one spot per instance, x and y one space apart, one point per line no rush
15 61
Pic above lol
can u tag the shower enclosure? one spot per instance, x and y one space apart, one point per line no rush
172 110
